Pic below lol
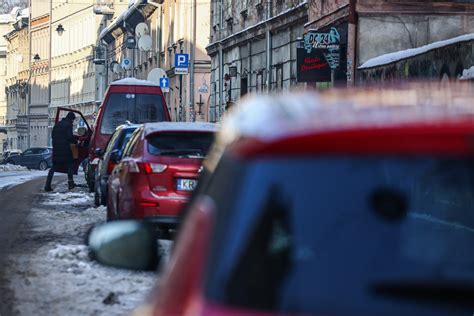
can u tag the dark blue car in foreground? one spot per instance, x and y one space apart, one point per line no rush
34 158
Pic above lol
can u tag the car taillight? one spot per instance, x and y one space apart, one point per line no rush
154 167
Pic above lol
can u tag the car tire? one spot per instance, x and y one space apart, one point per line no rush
90 178
11 162
97 197
43 165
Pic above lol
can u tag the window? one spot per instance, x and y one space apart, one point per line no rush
187 144
136 108
134 139
328 235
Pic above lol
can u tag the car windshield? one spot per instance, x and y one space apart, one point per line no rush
134 107
345 236
187 144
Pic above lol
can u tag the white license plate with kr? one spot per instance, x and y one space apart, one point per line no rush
186 184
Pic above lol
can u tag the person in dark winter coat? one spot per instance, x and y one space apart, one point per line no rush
62 154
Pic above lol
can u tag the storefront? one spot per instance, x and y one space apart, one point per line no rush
322 55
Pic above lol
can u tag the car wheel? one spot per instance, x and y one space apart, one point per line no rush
97 197
10 162
103 198
43 165
90 178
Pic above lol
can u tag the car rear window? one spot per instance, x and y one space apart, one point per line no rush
133 107
182 144
345 236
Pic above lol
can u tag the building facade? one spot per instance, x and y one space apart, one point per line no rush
175 27
38 92
74 33
253 48
375 28
18 64
6 20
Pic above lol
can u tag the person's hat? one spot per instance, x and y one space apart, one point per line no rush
71 116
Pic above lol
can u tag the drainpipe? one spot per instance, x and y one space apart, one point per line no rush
49 67
269 47
192 115
27 110
221 79
352 43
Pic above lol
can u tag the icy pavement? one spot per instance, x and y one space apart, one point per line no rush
50 272
11 175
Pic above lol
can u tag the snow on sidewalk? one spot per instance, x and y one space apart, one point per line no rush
51 272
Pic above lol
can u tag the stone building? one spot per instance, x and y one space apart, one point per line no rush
253 48
74 35
6 20
374 28
18 63
38 92
175 27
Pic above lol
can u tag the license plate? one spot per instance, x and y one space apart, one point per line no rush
186 184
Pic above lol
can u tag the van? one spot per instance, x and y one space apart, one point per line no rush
126 100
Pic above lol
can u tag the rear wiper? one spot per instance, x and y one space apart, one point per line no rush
181 152
440 291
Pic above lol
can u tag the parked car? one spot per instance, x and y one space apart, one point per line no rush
129 99
158 172
33 158
109 158
314 210
9 153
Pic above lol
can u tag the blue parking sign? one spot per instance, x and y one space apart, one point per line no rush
181 60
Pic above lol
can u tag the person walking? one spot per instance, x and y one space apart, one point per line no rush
62 137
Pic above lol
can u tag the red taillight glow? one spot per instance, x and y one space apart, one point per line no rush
149 204
154 167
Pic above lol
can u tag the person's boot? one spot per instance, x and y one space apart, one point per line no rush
48 188
71 185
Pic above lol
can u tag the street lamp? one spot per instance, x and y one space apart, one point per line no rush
60 29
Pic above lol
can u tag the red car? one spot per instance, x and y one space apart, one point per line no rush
305 209
159 170
129 99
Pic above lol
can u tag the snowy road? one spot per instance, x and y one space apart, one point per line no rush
9 179
45 268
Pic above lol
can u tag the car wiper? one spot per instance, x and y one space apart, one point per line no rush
441 291
179 152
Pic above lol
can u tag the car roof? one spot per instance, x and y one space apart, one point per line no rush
367 118
133 82
156 127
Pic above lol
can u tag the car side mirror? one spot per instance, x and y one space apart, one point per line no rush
115 156
99 152
125 244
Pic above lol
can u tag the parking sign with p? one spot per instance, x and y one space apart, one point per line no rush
181 63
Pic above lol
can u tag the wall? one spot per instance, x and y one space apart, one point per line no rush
382 34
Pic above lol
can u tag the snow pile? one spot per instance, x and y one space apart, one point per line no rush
69 252
10 167
404 54
468 74
68 198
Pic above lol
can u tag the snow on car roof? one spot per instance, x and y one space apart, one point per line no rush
133 82
267 118
150 128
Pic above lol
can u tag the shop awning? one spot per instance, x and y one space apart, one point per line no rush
139 12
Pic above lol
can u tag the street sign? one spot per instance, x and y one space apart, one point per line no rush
181 64
203 88
126 63
165 84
